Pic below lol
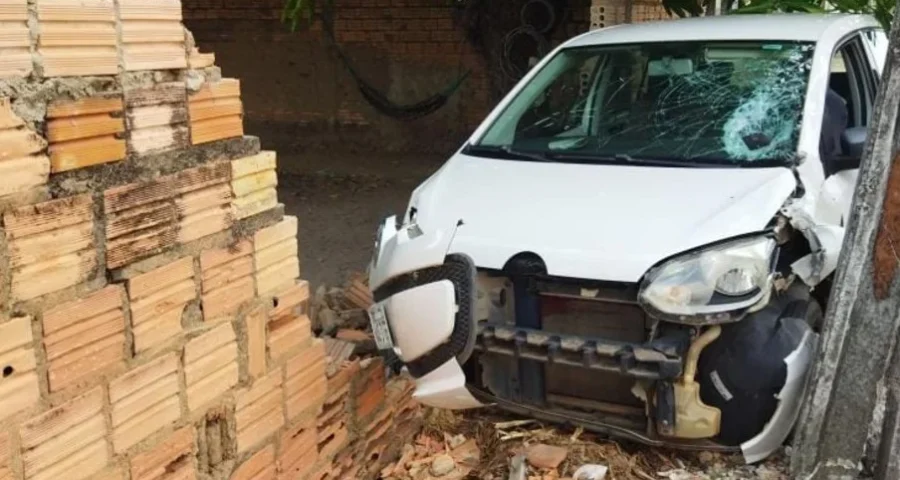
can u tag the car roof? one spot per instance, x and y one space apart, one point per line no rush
770 26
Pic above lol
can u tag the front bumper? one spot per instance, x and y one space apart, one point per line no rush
428 298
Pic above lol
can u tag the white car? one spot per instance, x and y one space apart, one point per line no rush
639 239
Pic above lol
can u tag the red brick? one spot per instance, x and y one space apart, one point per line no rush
144 400
305 382
170 460
287 335
68 441
370 390
260 466
290 302
255 325
298 451
19 390
210 365
5 473
85 337
258 411
158 299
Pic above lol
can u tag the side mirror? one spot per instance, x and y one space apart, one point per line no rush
853 143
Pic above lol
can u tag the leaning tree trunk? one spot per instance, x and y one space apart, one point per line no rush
853 401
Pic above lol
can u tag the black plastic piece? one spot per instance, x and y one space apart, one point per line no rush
528 315
665 408
523 270
743 370
635 360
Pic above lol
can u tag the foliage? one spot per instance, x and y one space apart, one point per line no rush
297 11
882 10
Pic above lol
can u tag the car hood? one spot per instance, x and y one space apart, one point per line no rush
604 222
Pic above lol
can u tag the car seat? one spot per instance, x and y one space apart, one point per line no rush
834 121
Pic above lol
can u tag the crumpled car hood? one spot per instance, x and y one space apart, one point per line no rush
604 222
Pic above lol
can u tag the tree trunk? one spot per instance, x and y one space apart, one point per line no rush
846 407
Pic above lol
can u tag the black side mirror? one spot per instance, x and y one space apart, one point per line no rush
853 143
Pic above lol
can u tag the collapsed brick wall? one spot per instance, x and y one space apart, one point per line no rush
152 320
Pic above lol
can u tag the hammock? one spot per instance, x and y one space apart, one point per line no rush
378 100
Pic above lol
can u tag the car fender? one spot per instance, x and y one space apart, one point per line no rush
406 248
825 242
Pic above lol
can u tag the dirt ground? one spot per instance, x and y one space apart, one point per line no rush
340 200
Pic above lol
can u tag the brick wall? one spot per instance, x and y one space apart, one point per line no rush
153 324
605 13
407 49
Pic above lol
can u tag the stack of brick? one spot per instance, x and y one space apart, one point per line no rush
606 13
152 318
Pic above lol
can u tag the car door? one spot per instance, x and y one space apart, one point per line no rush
854 76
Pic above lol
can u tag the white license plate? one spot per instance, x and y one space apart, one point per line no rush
380 328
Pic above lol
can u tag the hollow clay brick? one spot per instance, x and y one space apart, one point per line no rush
158 299
305 383
144 400
68 441
19 383
261 466
170 460
210 365
85 337
259 410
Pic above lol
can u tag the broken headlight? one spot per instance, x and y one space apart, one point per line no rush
715 284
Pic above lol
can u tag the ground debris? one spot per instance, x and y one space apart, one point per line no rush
545 456
452 457
336 308
591 472
500 441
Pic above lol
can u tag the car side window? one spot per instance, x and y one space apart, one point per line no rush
876 45
848 106
853 79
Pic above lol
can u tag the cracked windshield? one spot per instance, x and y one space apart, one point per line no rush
731 103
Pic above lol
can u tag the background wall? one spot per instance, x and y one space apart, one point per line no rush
299 93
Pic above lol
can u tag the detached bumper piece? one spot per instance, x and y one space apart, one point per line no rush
660 360
460 271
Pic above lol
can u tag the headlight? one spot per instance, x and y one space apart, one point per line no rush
717 284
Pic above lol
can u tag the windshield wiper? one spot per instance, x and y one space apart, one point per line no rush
624 158
536 156
587 158
512 152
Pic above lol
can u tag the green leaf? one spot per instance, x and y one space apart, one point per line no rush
763 6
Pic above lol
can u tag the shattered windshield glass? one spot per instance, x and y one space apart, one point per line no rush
718 102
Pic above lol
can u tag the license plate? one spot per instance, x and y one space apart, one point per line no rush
380 328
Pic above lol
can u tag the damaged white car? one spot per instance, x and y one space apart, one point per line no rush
640 238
